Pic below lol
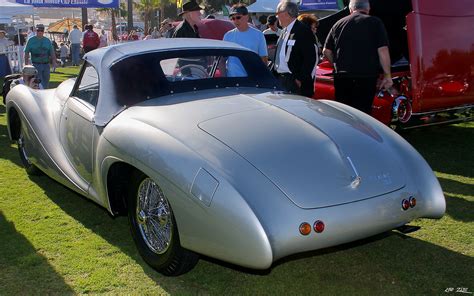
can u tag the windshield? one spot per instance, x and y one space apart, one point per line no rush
141 77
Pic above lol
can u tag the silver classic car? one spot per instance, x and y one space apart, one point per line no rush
222 163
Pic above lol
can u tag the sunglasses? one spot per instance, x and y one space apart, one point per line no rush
236 17
39 30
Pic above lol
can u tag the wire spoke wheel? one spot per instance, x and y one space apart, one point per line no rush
153 214
154 228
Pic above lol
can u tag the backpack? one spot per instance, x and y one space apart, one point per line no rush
91 40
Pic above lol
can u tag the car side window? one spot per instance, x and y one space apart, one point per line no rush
88 86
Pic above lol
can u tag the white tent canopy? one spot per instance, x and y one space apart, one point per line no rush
263 6
9 9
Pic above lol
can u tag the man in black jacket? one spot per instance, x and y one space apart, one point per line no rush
191 18
295 55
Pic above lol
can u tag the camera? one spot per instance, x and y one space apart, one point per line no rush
37 80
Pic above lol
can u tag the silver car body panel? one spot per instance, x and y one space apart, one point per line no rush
242 167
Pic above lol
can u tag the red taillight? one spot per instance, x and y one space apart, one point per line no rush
405 204
305 228
412 201
318 226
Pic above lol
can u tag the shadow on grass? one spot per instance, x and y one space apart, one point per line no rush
455 187
8 152
21 266
459 209
411 264
448 149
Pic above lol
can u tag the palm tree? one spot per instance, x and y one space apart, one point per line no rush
113 12
148 9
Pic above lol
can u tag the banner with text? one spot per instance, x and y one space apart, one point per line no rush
72 3
319 5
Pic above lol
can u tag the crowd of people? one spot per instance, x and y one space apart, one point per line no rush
357 46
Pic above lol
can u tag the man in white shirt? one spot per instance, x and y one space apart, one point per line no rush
295 56
75 37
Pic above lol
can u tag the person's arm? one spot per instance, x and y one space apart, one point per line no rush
328 54
384 58
263 51
329 45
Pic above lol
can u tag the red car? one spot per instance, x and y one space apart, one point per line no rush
212 28
432 51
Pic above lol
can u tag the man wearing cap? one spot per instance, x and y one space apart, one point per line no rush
295 56
191 18
42 52
246 36
29 78
272 26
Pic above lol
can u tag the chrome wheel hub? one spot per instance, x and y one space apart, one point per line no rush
153 214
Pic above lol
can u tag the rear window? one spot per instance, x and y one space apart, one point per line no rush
151 75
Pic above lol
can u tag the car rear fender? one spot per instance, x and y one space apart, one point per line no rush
212 228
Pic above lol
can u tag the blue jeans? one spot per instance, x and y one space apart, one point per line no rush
43 73
75 50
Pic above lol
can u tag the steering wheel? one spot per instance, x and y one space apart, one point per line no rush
192 71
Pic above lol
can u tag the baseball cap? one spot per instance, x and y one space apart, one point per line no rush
238 10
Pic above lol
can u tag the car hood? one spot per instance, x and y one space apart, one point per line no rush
316 154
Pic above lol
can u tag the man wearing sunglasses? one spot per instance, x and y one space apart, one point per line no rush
245 36
42 52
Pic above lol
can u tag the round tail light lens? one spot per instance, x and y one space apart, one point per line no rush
318 226
405 204
305 228
412 201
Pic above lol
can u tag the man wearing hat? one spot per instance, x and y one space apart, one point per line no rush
29 78
245 36
191 18
42 52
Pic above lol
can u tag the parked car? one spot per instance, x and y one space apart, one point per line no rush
207 163
432 51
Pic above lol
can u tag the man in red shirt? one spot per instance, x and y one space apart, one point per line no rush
91 40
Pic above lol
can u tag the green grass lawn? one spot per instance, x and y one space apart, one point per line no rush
52 241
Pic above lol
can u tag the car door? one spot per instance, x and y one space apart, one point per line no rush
77 128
